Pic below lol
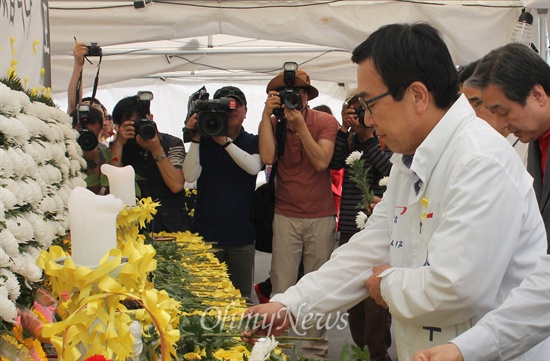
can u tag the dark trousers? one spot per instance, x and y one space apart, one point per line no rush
370 323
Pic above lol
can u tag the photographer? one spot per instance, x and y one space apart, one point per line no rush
156 157
88 121
225 167
304 223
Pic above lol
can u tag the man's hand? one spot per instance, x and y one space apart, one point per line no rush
373 284
273 101
447 352
267 319
152 145
79 52
125 131
192 124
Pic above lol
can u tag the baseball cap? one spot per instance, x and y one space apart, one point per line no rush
231 92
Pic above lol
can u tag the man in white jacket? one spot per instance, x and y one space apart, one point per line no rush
458 226
520 323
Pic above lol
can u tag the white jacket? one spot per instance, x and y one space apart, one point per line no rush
471 234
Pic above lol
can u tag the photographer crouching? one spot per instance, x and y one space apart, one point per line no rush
224 159
156 157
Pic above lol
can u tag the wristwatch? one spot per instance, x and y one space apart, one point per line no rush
229 141
160 158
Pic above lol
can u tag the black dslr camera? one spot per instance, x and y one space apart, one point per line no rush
94 50
211 115
143 126
290 97
84 114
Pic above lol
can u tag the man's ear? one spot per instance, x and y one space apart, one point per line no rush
420 96
539 94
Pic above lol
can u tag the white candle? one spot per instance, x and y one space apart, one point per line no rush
121 182
92 221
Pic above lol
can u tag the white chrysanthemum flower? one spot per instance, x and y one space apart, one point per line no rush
17 163
25 265
2 212
64 169
64 193
9 243
13 130
5 258
68 132
35 150
42 233
58 152
29 165
361 220
60 228
47 151
50 174
22 98
9 100
262 348
13 187
384 182
39 110
73 149
47 204
77 182
8 311
353 157
10 282
44 187
137 347
53 133
60 206
30 191
21 229
61 117
7 197
34 125
6 165
75 167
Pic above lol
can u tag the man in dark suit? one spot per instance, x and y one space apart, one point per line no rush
515 85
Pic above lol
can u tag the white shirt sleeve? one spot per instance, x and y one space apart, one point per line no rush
250 163
520 323
192 164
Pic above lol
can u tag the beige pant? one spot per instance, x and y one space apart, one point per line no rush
294 240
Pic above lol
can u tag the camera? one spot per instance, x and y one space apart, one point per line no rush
143 126
212 116
290 97
94 50
85 115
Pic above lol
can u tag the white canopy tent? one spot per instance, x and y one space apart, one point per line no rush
175 47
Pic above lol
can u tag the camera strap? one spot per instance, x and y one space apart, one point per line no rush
280 135
96 80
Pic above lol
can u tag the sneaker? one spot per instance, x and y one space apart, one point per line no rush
261 297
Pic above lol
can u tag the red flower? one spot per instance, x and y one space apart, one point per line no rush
97 358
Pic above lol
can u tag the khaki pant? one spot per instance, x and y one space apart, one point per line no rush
295 239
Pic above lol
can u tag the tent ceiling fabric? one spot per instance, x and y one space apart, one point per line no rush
256 37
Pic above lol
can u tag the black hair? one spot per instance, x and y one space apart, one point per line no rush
467 71
323 108
127 106
515 69
94 116
404 53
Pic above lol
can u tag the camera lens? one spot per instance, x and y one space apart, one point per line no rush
293 101
87 140
212 124
147 131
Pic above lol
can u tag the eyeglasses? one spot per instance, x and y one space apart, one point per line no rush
365 103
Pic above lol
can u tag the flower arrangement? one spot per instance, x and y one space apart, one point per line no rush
40 163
